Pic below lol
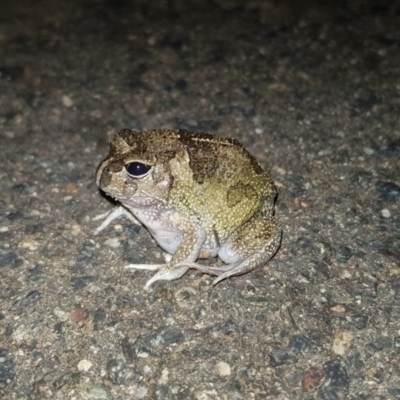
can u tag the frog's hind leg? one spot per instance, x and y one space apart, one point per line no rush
251 247
248 264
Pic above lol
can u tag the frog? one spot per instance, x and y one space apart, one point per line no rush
199 195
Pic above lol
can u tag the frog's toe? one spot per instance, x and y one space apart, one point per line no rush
238 268
148 267
223 271
166 273
112 215
207 269
225 275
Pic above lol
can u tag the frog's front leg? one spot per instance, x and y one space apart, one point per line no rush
192 236
113 214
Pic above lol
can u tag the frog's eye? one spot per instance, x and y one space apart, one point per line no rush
137 170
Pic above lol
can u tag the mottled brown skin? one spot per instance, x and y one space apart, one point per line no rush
200 196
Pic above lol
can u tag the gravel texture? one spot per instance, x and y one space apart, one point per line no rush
312 90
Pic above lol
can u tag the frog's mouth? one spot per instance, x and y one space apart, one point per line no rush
131 200
121 189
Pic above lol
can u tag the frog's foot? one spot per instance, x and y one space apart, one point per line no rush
234 269
207 269
166 272
225 271
110 216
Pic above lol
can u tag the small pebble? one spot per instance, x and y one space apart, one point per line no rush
77 316
164 378
338 309
113 242
223 369
368 151
60 314
76 229
84 365
91 392
9 134
385 213
67 101
342 342
312 377
71 188
346 274
138 392
31 245
344 254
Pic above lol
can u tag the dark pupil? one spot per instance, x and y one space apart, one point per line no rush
137 168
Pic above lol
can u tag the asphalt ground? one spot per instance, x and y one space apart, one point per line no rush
312 89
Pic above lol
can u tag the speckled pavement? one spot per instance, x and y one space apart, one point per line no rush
313 91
